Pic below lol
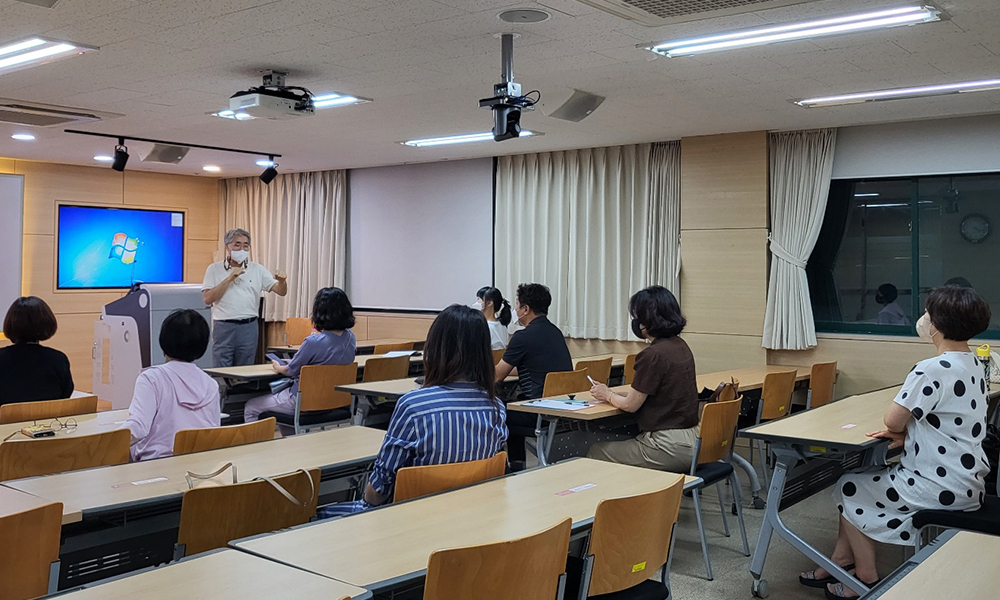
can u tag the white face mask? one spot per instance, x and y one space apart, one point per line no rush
924 328
478 305
240 256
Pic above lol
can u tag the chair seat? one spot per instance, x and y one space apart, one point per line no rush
984 520
312 417
713 472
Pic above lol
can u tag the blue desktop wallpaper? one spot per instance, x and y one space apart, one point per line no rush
115 247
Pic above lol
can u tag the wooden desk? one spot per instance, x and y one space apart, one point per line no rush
954 569
13 501
85 424
364 346
266 372
810 442
221 575
389 546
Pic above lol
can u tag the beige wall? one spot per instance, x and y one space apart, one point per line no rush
47 184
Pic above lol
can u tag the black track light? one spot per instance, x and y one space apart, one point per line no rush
121 156
270 172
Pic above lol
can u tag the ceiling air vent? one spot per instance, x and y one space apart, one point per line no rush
47 115
654 13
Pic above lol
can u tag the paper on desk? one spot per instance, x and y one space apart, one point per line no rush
399 353
559 404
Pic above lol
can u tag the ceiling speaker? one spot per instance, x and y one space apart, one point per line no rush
570 105
166 154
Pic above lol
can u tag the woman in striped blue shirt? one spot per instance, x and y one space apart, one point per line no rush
455 417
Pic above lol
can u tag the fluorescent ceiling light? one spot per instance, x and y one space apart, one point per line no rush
24 137
104 158
265 163
331 100
211 168
35 51
238 115
902 93
872 195
906 15
486 136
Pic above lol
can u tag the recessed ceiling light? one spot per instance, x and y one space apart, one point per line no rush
332 99
35 51
524 15
211 168
24 137
486 136
104 158
894 17
902 93
264 163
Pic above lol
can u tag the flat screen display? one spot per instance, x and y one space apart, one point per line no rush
103 247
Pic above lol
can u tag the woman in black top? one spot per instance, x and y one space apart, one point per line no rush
28 370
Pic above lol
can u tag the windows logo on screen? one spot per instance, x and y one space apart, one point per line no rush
124 248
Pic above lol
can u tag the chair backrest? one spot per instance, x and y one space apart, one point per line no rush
560 383
45 456
385 368
317 385
187 441
599 370
297 330
527 568
776 395
498 355
30 546
629 368
822 378
212 516
383 348
717 430
413 482
626 549
47 409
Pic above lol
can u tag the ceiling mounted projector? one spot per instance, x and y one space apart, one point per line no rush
273 100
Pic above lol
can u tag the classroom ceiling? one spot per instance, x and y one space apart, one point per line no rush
166 64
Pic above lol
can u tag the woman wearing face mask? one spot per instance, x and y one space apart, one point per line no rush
232 288
938 418
496 309
664 394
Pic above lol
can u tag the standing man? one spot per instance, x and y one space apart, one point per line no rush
232 288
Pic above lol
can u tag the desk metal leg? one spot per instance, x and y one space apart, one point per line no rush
544 434
785 459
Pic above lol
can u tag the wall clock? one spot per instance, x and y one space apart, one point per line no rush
975 228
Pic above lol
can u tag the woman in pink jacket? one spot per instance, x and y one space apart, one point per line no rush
175 395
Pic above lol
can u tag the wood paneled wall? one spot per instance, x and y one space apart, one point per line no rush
47 184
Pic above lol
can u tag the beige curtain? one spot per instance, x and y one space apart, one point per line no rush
664 225
298 224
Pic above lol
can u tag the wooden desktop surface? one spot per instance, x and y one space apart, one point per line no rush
222 575
841 423
14 501
396 541
266 371
118 485
85 424
962 569
391 389
363 345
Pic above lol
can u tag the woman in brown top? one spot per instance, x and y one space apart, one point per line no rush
664 394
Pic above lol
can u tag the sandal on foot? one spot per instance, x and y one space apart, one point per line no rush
840 589
813 582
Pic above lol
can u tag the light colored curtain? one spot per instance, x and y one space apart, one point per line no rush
664 225
801 167
580 222
298 224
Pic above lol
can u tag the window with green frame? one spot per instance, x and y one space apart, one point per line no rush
886 243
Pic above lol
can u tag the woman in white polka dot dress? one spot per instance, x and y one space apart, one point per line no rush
938 417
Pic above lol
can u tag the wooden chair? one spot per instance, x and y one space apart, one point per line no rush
629 368
498 355
413 482
599 370
712 462
562 383
45 456
624 551
318 403
212 516
297 330
385 368
29 558
47 409
822 379
385 348
187 441
528 568
775 402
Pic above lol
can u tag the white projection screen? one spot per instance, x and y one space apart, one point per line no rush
420 236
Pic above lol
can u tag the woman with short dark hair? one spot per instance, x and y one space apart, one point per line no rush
454 417
30 371
938 418
664 394
332 344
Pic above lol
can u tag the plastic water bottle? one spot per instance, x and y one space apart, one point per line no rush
983 352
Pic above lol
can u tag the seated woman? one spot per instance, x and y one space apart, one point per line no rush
664 394
175 395
332 344
938 417
30 371
455 417
492 303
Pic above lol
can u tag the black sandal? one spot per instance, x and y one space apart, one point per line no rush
839 595
821 583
